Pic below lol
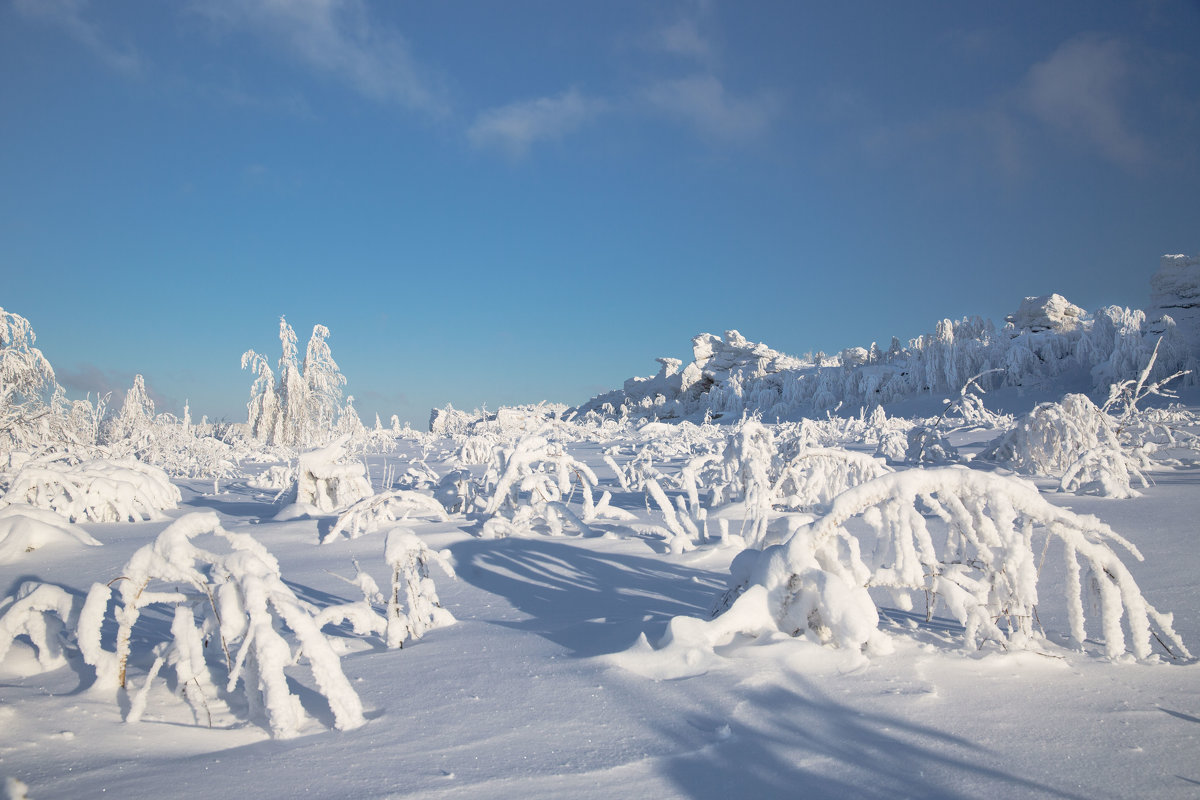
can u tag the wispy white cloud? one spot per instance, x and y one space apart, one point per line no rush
1081 90
515 127
338 39
684 39
703 102
71 17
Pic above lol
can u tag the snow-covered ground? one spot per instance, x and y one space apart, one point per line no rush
527 695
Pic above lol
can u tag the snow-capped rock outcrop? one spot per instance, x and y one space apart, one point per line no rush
1175 292
1051 312
716 364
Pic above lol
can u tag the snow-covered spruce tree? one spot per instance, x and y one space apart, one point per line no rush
323 384
302 409
236 599
130 431
26 386
293 400
965 539
264 402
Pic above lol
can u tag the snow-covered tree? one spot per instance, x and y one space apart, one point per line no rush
302 409
965 539
26 384
236 598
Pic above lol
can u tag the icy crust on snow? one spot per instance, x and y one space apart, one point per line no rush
1047 337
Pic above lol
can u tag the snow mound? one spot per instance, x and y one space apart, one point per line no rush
24 529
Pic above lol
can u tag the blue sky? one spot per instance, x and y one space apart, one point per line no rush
507 202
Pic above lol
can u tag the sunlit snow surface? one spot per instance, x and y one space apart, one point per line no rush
521 697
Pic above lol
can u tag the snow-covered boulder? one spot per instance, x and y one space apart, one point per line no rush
1051 312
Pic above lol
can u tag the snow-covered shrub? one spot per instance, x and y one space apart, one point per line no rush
531 481
456 492
381 511
979 558
980 561
893 446
1052 437
275 477
44 613
748 463
413 607
816 475
474 449
242 603
925 444
1124 397
327 480
96 491
24 529
1103 471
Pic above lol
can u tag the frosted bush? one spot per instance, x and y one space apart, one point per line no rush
95 491
927 445
327 480
979 559
893 446
276 477
43 613
475 449
1103 471
531 483
413 606
1052 437
24 529
456 492
814 477
748 461
381 511
242 603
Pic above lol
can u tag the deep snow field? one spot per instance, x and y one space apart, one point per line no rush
541 688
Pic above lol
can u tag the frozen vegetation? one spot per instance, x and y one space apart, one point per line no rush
959 566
